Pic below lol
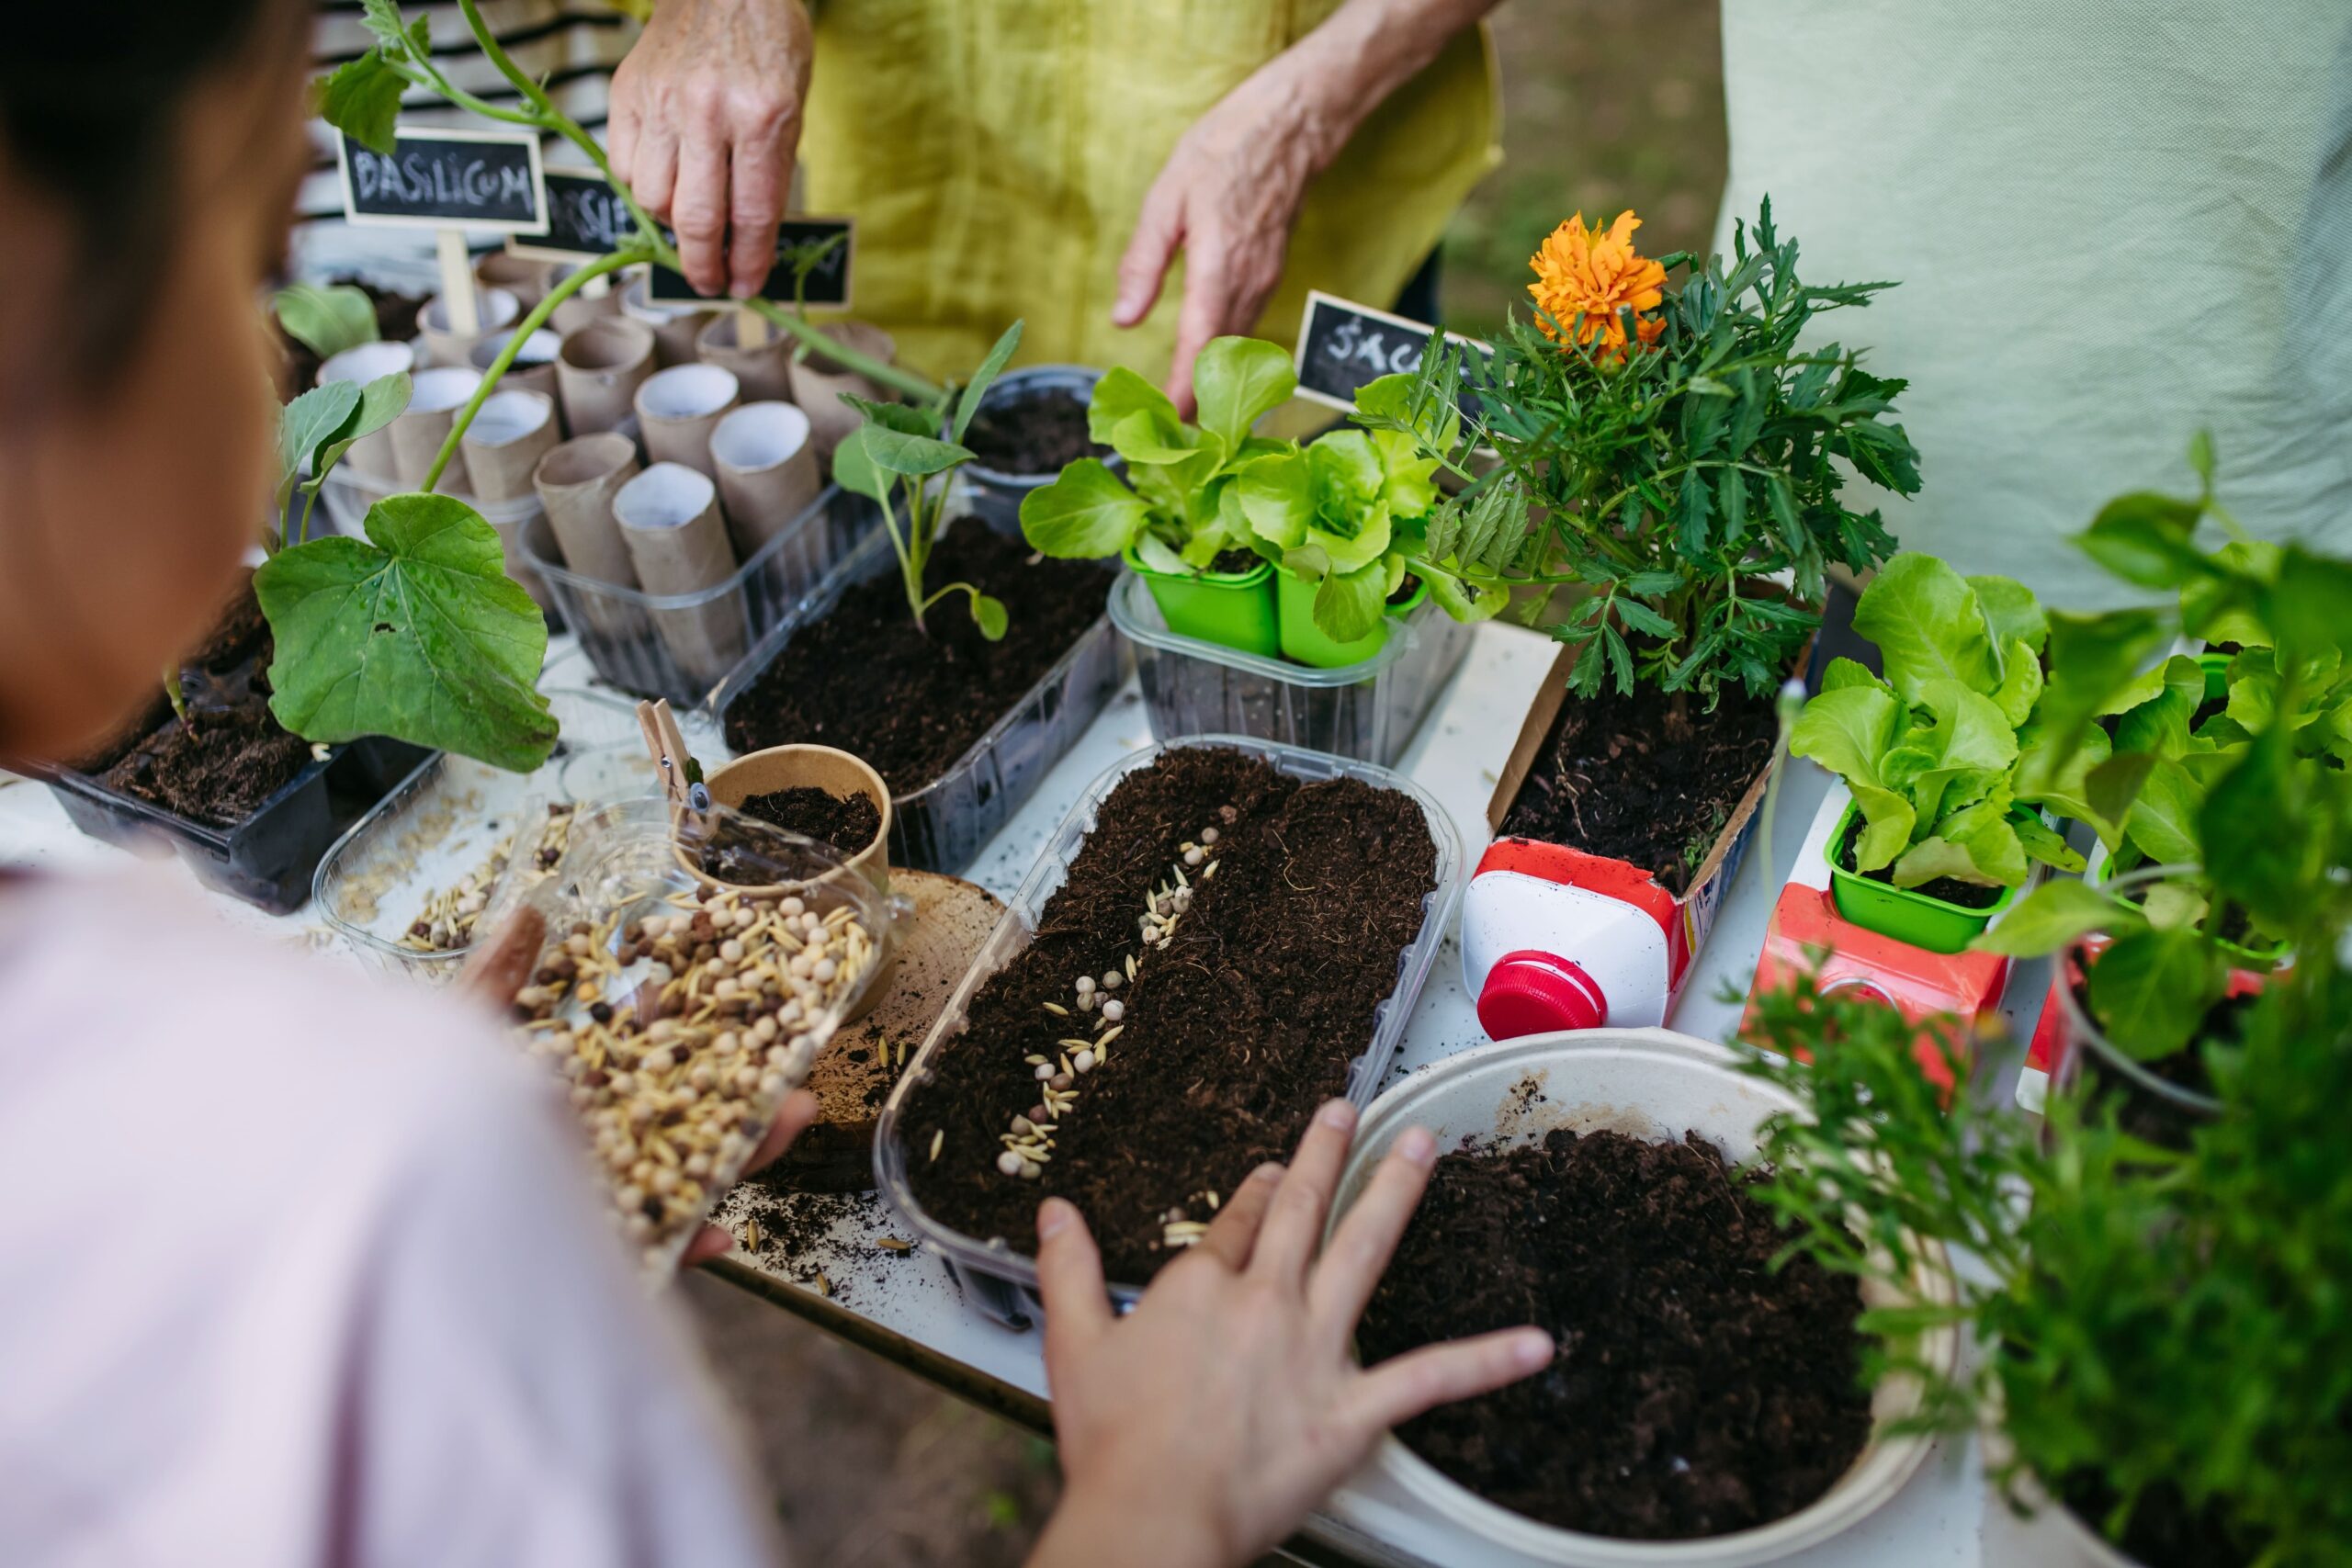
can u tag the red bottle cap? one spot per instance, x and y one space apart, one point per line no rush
1533 992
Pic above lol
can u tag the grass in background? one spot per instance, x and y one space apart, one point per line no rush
1606 106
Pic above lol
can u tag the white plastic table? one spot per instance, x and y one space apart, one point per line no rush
905 1307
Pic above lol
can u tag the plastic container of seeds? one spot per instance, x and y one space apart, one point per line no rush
1003 1282
681 1010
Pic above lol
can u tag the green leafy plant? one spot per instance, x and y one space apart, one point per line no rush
897 450
1344 511
1670 470
313 432
1931 751
2166 1335
326 320
1179 507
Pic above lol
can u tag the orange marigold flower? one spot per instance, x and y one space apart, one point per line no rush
1581 272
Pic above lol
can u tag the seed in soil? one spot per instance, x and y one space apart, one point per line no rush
1707 1390
1247 1024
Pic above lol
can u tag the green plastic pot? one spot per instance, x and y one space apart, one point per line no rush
1307 643
1233 610
1904 913
2217 674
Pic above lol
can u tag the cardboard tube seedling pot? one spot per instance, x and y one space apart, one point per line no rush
499 310
764 369
372 453
1652 1084
526 278
677 409
1904 913
767 471
418 436
593 302
674 329
512 433
818 383
534 367
576 483
669 518
598 370
1233 610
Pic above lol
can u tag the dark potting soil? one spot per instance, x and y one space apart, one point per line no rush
1036 434
1406 590
395 322
1644 776
1236 563
2164 1530
1232 1034
1951 889
847 822
864 679
1697 1390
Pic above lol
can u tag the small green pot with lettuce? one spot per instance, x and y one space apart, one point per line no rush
1932 751
1179 509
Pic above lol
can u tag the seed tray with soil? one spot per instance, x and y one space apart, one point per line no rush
960 729
1591 1184
251 806
1030 422
1222 935
1647 777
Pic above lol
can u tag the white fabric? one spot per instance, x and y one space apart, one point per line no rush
2112 224
296 1271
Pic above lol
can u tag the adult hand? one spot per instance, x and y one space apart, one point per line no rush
1228 196
1202 1428
500 964
706 119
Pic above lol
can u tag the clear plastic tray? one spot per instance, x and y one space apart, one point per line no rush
1367 711
1003 1282
617 627
943 826
445 820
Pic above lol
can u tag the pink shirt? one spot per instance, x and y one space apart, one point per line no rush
299 1269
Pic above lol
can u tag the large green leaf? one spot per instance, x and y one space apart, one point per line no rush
2160 725
362 98
1278 497
307 426
1936 856
2011 612
2163 820
1888 819
2144 539
381 401
916 457
1235 381
1927 625
1986 832
984 377
1845 672
326 320
416 633
1084 515
2054 915
1848 731
2150 990
1348 604
855 469
1120 393
2043 842
2021 685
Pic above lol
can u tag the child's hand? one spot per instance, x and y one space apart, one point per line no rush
1205 1424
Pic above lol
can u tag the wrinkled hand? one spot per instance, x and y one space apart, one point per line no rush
1228 196
500 965
706 119
1205 1424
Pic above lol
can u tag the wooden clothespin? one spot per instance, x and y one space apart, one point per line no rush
681 774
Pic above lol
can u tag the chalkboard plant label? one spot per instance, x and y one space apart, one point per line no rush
811 270
586 218
441 179
1343 346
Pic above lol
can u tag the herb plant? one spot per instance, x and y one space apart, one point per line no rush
1668 454
1179 507
897 449
326 320
2166 1335
1931 751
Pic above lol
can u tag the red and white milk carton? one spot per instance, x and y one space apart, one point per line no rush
1807 935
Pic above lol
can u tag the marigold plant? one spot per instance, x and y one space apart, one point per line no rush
1590 283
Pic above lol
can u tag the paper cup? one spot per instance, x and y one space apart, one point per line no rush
498 309
371 454
677 409
514 430
525 277
577 482
418 434
598 371
818 384
669 517
767 471
534 367
765 371
675 327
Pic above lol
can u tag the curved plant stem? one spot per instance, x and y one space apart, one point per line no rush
514 342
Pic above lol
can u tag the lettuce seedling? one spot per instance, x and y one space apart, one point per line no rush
1931 751
898 449
1178 507
1345 513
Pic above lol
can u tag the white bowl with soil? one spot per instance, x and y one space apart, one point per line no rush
1651 1085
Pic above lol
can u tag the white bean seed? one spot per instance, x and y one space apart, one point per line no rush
1112 979
793 907
1083 1062
1193 857
1031 1171
732 951
1208 835
1113 1011
824 971
1085 985
1044 1071
1009 1162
